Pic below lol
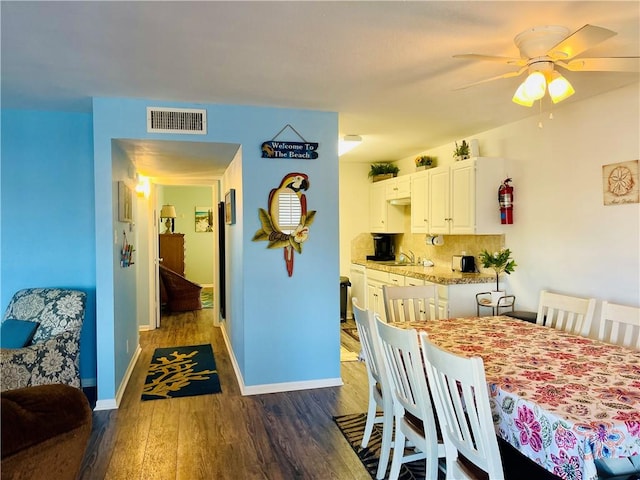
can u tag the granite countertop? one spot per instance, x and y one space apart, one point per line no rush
436 274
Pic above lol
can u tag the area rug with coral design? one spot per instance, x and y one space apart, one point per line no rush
181 372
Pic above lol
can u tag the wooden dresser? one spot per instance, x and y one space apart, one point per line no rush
172 251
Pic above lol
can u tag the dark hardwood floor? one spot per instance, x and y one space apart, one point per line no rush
224 436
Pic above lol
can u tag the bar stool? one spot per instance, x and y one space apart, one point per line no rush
484 299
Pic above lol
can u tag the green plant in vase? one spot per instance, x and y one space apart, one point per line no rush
383 169
426 161
499 261
461 151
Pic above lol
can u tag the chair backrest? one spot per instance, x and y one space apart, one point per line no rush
365 324
461 397
56 309
406 374
620 324
411 303
562 312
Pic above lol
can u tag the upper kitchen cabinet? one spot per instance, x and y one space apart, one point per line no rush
398 188
463 198
384 217
420 202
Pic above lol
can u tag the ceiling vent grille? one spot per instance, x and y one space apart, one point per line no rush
176 120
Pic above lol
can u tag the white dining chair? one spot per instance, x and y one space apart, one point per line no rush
563 312
413 412
620 325
459 389
379 389
411 303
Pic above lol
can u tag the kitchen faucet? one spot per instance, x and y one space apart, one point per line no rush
411 257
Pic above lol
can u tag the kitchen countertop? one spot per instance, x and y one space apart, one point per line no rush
440 275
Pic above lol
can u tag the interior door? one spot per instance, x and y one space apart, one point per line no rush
221 261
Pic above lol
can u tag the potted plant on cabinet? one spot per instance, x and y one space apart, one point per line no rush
425 161
500 262
461 151
382 171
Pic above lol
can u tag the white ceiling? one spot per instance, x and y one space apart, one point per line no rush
385 67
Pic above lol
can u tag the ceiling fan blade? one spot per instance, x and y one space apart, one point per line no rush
582 39
605 64
492 58
504 75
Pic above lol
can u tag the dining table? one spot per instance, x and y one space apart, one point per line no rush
560 399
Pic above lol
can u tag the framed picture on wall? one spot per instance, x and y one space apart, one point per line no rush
230 207
204 219
125 203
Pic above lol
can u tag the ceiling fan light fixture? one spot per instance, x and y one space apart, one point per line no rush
535 85
520 98
348 143
560 88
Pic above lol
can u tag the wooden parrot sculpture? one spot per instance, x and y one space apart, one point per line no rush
285 224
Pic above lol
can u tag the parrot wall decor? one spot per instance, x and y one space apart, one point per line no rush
285 224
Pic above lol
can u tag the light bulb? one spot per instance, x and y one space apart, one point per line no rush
535 86
520 98
560 88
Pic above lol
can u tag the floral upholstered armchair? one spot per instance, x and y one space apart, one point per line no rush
53 354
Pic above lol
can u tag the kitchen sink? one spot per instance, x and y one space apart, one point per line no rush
395 263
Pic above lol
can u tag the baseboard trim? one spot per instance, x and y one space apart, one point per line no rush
109 404
275 387
234 362
291 386
114 403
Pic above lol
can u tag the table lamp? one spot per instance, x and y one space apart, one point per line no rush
168 212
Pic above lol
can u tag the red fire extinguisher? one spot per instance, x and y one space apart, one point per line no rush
505 199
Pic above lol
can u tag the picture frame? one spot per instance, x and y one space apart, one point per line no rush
230 207
125 203
620 183
204 219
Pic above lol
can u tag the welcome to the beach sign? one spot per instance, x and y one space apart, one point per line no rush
277 149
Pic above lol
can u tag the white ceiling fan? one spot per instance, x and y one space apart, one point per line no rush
544 48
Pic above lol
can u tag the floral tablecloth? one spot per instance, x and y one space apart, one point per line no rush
560 399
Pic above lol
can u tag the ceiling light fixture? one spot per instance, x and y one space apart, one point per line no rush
540 77
348 143
559 88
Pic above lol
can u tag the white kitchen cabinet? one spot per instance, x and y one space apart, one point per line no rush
375 302
358 278
420 202
463 198
384 217
438 193
397 187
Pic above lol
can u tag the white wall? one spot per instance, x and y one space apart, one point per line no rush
354 207
563 238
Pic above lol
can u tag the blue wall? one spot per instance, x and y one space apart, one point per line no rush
47 211
57 180
282 329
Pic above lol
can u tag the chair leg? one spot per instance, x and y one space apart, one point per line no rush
398 453
371 416
385 449
431 468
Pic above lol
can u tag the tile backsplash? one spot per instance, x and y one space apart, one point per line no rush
362 245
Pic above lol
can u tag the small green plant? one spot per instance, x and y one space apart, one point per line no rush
462 151
382 168
426 161
500 262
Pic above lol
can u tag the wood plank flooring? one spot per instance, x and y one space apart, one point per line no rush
224 436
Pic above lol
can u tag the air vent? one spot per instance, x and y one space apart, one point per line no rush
176 120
